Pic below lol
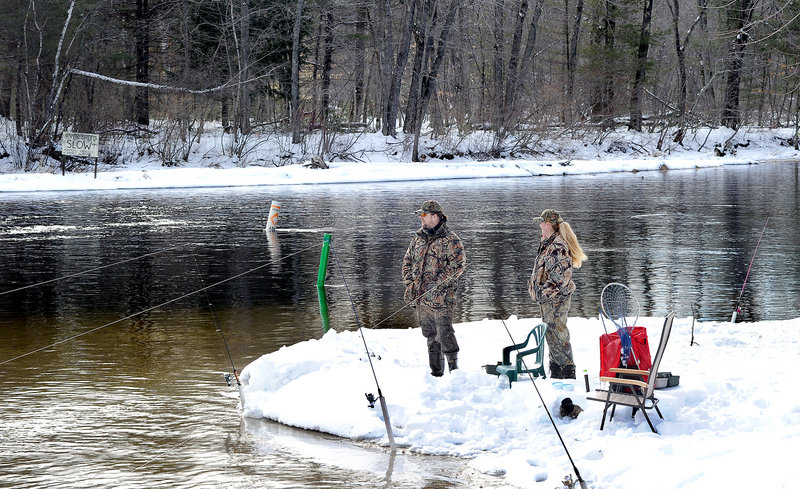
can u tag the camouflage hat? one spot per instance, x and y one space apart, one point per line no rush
549 215
430 207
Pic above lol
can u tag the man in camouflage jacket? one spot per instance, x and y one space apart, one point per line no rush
431 267
551 286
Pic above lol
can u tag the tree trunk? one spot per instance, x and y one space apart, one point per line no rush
637 89
316 65
680 50
6 89
797 125
384 38
244 68
327 62
428 82
225 113
296 120
359 68
18 99
681 57
421 31
512 83
141 99
571 54
741 21
604 38
530 45
393 100
498 77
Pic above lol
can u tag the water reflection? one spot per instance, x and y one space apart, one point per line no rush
676 238
360 464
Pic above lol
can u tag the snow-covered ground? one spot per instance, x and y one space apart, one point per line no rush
732 422
378 158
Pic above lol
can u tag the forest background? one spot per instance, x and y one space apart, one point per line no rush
309 77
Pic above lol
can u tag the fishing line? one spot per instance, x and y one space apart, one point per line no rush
93 269
414 300
189 294
737 310
358 322
541 398
216 324
533 381
166 451
370 397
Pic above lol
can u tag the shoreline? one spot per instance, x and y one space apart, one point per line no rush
146 178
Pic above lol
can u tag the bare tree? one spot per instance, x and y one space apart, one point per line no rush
635 122
295 108
741 22
498 71
244 66
604 38
141 101
359 68
680 53
571 53
100 65
431 57
391 66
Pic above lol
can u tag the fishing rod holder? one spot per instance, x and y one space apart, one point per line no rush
371 399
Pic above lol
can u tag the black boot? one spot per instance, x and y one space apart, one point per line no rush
436 361
452 362
568 372
555 371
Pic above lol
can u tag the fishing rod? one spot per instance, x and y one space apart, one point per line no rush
541 398
738 310
222 333
414 300
143 311
370 397
93 269
381 398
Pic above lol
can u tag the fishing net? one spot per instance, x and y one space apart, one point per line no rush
619 305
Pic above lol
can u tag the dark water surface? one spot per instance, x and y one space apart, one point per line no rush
92 397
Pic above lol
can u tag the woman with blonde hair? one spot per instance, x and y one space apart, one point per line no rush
551 286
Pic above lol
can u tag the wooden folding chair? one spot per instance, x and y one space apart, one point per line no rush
636 392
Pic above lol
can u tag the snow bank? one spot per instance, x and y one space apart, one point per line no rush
732 422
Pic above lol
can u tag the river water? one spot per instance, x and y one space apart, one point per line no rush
98 393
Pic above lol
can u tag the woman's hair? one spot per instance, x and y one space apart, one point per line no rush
575 250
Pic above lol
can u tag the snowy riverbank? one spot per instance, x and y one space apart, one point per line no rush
732 422
382 160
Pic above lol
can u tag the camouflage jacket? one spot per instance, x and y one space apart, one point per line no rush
432 265
551 279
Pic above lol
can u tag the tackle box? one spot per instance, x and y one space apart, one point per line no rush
666 379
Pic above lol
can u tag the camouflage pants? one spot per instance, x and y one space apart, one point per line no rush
437 328
557 336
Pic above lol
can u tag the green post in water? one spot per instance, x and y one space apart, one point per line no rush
323 270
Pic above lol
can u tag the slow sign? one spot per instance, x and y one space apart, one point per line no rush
80 144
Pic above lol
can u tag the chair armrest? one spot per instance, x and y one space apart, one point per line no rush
528 352
507 350
633 371
615 380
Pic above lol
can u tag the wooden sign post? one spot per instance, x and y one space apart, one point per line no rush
80 144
